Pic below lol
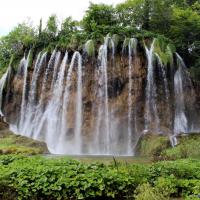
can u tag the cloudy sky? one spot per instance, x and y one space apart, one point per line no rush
13 12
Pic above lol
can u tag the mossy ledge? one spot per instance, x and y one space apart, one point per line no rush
15 144
158 147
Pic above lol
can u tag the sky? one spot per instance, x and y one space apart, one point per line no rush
13 12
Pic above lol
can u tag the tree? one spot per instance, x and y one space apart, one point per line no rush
20 38
185 33
153 15
69 27
40 28
196 7
52 27
131 13
98 15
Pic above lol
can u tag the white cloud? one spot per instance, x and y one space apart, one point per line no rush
13 12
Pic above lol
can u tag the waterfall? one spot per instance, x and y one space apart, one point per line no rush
38 119
36 74
164 77
27 125
78 124
132 50
2 85
55 72
151 113
52 115
46 77
103 135
166 88
25 64
101 112
186 113
180 119
72 146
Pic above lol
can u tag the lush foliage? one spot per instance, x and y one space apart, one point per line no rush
40 178
188 147
15 144
159 147
177 20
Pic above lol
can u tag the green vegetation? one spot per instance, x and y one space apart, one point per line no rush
177 22
15 144
188 147
165 51
42 178
34 177
23 176
152 145
159 148
89 47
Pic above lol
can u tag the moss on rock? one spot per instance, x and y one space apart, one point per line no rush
188 147
16 144
158 147
151 145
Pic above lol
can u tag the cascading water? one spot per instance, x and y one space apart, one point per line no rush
103 136
2 85
97 109
45 83
31 99
72 146
55 71
164 77
40 109
132 50
180 121
151 113
52 115
23 104
28 124
166 88
78 124
66 96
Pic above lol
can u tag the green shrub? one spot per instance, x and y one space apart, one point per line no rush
166 186
90 48
147 192
188 147
159 147
35 177
189 187
152 146
62 178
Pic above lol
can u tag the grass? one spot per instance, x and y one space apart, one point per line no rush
151 145
15 144
87 177
188 147
107 160
36 177
158 147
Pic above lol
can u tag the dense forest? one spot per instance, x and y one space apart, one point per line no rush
175 21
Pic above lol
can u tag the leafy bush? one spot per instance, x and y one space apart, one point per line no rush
188 147
63 178
147 192
90 48
159 147
15 144
67 179
152 146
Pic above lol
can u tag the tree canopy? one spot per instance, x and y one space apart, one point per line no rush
176 20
